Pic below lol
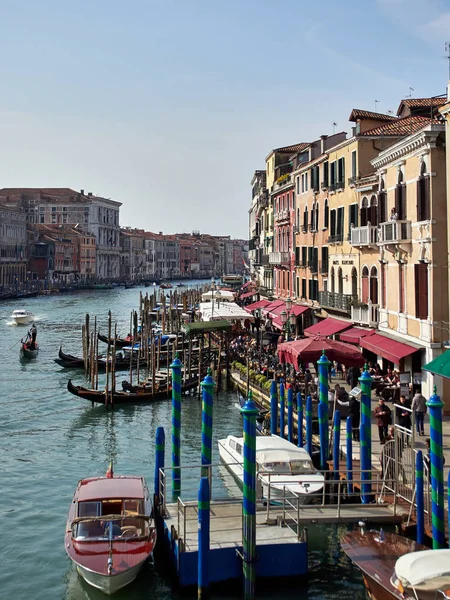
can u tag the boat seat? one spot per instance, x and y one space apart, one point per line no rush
129 531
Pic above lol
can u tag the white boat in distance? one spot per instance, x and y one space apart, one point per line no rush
287 469
22 317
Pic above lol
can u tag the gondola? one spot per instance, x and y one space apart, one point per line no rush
120 342
133 395
28 352
68 361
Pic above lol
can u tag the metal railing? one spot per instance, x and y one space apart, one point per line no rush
394 232
366 314
279 258
336 300
364 236
336 238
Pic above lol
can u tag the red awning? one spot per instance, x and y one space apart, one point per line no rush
247 284
247 295
296 309
255 305
272 305
328 326
354 335
387 347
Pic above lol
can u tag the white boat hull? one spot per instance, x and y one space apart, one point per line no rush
26 320
109 584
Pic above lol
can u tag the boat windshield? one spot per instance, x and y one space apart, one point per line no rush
293 467
104 528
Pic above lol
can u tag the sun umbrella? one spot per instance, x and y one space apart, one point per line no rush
310 350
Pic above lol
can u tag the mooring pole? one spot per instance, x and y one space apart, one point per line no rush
273 407
299 420
349 457
336 442
207 424
435 405
290 415
323 435
176 425
420 514
249 412
322 365
160 443
282 410
203 539
308 425
366 435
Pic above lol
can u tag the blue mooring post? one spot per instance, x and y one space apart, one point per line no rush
336 442
207 423
249 412
282 410
203 538
308 425
420 515
349 457
323 434
273 407
290 415
299 420
160 442
366 436
437 471
176 426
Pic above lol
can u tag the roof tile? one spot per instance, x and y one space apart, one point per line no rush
367 114
399 127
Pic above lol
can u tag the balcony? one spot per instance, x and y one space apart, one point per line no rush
313 266
324 185
395 232
282 215
315 187
336 300
312 228
332 188
366 314
282 182
364 236
352 181
282 259
304 228
301 264
337 238
340 185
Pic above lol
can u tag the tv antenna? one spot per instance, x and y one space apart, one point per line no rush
447 49
410 92
376 102
334 127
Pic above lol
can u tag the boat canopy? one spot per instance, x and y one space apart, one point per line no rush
273 449
116 487
424 568
225 296
207 327
225 311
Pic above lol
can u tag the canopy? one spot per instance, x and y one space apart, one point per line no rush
272 305
440 365
419 568
310 349
247 284
248 295
296 309
328 326
195 328
255 305
227 311
387 347
225 296
353 335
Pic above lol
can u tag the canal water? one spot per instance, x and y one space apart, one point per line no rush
50 439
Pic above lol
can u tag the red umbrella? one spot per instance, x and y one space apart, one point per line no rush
310 349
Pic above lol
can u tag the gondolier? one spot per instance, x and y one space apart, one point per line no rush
33 333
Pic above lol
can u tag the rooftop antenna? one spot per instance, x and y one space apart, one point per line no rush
447 49
390 112
376 102
410 92
334 127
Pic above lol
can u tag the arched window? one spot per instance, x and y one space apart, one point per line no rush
373 285
364 212
326 214
400 197
316 220
340 281
372 217
305 219
354 282
365 285
332 280
313 210
298 219
423 195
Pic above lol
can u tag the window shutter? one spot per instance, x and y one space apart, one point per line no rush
419 204
365 289
426 216
398 200
421 285
403 216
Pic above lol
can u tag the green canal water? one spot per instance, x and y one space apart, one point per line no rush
50 439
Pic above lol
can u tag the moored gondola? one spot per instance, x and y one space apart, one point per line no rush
120 342
122 362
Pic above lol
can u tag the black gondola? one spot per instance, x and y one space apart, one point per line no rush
68 361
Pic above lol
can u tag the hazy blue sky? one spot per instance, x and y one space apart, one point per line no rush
170 106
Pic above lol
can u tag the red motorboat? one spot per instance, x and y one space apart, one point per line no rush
110 530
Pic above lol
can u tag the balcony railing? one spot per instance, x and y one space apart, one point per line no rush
282 215
352 181
313 266
312 228
395 232
336 300
280 258
315 187
365 314
324 185
337 238
301 263
332 187
340 185
304 228
265 259
364 236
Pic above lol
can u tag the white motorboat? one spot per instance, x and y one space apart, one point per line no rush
22 317
287 469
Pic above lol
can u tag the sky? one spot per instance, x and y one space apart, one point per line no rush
170 106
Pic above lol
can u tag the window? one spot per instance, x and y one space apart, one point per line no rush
324 265
305 219
313 289
42 219
341 173
326 214
325 174
333 222
340 281
340 222
304 251
365 285
316 216
297 185
400 198
382 207
401 288
354 164
373 285
333 173
332 280
423 198
364 212
304 288
352 216
354 283
383 285
421 289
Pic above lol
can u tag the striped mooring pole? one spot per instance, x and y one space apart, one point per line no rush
207 424
176 425
336 442
308 425
323 364
273 407
420 514
349 451
249 412
290 415
160 443
299 420
282 410
323 435
203 539
435 405
366 435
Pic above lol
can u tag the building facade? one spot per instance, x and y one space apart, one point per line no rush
13 242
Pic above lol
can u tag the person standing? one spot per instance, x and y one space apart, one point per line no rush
419 407
403 416
382 414
355 413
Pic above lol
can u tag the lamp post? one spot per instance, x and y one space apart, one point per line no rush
288 319
213 289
